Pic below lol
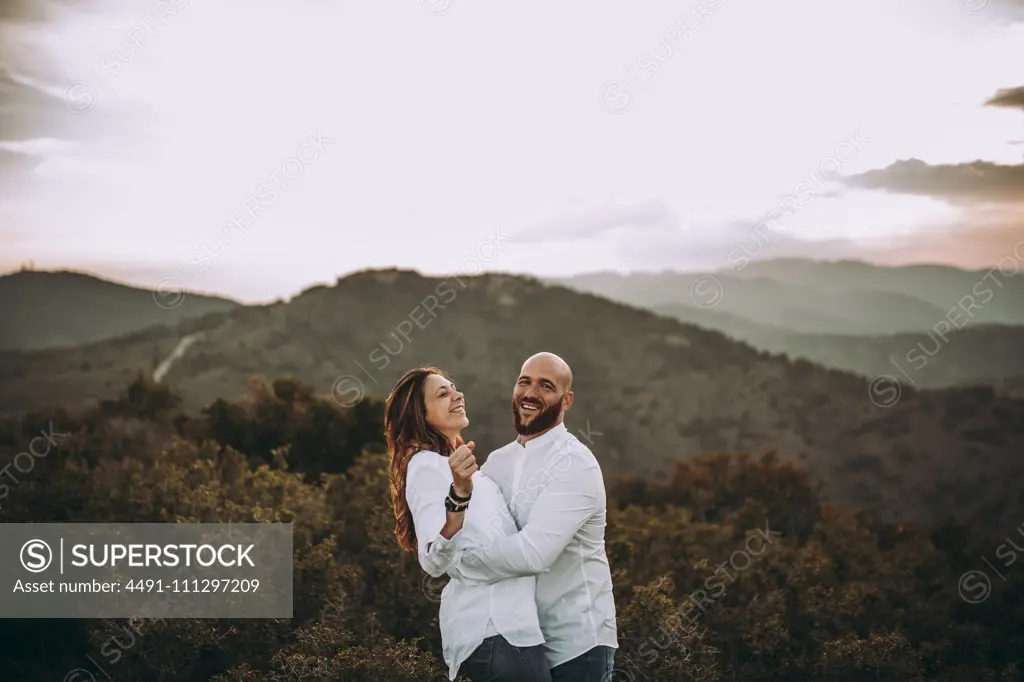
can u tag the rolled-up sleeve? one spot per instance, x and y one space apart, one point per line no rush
426 487
561 509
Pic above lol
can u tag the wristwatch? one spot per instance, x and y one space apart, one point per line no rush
454 503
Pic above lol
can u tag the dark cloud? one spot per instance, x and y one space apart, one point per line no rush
1008 97
966 183
35 11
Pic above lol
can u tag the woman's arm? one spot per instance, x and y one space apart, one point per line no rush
452 524
426 489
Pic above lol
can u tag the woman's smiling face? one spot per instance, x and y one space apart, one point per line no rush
446 406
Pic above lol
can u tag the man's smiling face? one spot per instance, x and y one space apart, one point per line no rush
541 393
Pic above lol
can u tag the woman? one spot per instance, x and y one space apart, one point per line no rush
443 504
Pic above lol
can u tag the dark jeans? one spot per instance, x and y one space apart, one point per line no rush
495 660
594 666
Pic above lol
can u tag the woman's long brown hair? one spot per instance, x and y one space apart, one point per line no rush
407 432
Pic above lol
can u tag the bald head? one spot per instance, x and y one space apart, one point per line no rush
549 366
542 394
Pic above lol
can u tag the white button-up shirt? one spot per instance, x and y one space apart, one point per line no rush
555 492
470 611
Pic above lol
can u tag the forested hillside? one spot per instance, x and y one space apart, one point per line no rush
791 587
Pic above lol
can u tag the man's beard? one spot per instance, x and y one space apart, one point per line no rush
542 421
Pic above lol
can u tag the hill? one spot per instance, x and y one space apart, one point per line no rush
650 390
40 309
987 355
941 285
821 297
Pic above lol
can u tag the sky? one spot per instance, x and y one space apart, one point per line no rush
252 149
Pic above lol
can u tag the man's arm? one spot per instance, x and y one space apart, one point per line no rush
563 506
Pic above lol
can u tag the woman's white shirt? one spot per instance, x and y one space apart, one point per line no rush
469 611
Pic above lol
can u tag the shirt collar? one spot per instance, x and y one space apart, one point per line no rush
544 439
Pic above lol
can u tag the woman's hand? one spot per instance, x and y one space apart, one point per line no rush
463 463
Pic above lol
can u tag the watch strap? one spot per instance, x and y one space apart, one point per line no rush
452 494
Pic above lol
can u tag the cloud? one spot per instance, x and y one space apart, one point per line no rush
962 183
12 163
987 240
24 111
652 235
1011 11
25 10
28 118
725 244
40 11
41 146
1008 97
41 130
650 215
28 114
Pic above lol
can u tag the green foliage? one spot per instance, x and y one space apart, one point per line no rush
728 568
316 435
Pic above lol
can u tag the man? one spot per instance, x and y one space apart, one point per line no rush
555 492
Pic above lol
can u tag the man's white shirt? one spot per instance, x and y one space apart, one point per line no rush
470 611
555 492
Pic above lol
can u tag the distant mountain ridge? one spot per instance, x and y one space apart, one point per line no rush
51 309
988 355
650 389
823 297
932 325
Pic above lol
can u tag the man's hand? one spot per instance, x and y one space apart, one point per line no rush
463 463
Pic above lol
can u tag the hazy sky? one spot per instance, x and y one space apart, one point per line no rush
586 134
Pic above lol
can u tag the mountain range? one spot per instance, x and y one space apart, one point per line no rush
933 326
989 355
823 297
650 389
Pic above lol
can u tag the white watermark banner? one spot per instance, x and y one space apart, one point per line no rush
145 570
